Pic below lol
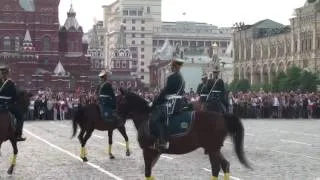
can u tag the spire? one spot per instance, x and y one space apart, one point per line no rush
27 45
59 70
71 19
94 41
71 12
121 43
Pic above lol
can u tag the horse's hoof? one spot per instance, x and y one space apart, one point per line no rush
111 156
84 159
10 170
128 153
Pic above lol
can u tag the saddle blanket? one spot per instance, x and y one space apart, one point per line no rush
106 113
178 124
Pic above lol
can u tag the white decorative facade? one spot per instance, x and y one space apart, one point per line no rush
145 31
266 48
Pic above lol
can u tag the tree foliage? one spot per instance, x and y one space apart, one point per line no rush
294 79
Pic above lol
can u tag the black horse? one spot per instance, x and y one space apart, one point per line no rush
89 118
7 127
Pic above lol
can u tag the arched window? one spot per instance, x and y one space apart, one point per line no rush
17 43
46 43
6 43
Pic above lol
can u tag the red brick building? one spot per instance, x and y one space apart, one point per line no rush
34 45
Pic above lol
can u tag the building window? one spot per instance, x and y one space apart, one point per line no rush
140 13
117 64
121 83
17 43
133 28
143 21
142 28
47 44
124 64
142 63
141 77
142 56
125 12
148 10
142 49
142 70
154 49
124 21
133 21
133 42
142 35
142 42
132 12
6 43
133 35
124 28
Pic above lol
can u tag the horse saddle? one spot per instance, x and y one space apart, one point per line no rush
176 125
107 113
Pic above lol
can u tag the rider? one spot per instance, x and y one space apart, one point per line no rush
202 89
174 89
8 93
217 92
106 94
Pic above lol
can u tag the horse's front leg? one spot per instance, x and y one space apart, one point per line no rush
123 132
15 153
150 159
215 164
110 133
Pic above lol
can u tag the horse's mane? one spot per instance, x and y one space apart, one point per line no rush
140 103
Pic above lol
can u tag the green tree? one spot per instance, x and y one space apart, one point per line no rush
308 81
279 82
240 85
293 78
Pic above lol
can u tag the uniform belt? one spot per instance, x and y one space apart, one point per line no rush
5 97
169 97
215 91
104 96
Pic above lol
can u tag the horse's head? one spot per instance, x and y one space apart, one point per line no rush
129 103
23 100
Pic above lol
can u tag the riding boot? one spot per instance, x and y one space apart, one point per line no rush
163 144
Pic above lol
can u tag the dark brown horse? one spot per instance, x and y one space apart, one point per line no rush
7 127
89 118
208 131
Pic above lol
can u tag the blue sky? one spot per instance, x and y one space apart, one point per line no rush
222 13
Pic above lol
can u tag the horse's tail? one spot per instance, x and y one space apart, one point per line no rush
236 130
75 120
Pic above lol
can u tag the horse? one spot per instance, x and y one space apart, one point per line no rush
208 130
88 117
7 126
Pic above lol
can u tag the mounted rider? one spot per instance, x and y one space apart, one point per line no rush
106 97
202 89
217 99
169 101
8 94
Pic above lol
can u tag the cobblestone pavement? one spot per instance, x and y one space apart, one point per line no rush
277 149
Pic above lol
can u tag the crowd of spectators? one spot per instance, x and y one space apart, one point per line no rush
47 105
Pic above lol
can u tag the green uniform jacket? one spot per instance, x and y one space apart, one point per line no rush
105 88
8 90
175 82
219 86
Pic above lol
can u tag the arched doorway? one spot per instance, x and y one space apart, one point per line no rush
257 75
265 74
273 71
